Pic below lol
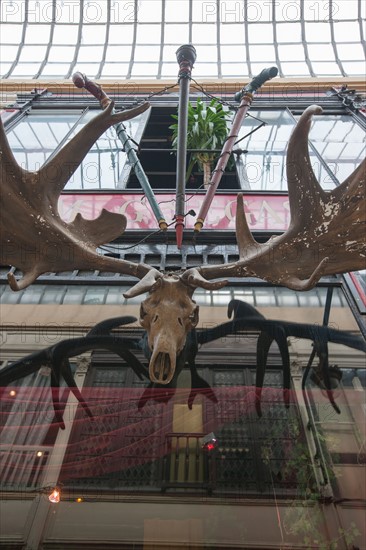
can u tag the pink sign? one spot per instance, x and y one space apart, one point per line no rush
264 212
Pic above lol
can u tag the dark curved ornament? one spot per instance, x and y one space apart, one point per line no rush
56 357
279 331
246 317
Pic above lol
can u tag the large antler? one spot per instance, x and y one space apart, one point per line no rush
33 237
326 235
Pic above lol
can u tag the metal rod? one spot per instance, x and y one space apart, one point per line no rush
186 56
245 96
81 81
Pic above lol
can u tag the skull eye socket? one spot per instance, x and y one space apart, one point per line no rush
194 317
143 313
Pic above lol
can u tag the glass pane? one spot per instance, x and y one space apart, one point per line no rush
53 294
318 24
171 12
261 166
37 135
94 296
74 295
341 143
104 162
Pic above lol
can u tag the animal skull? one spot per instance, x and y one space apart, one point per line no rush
168 315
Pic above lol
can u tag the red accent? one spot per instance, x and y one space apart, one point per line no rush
359 288
210 446
179 226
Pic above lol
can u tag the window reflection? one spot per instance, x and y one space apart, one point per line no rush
113 295
35 138
341 143
262 167
39 134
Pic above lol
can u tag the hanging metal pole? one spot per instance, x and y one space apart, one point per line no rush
81 81
245 96
186 56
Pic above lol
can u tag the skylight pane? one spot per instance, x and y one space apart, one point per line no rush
89 53
356 68
262 53
209 53
288 32
93 34
4 68
118 70
345 10
347 32
287 11
124 11
120 34
30 54
295 68
169 70
65 34
320 52
149 11
148 34
176 34
144 69
60 53
206 69
68 12
173 14
326 68
8 53
291 53
38 12
231 34
260 34
234 69
351 52
95 12
169 55
317 32
55 70
12 12
25 69
147 53
10 34
232 53
37 34
204 34
118 53
204 11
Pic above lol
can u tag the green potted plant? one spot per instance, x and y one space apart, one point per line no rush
207 130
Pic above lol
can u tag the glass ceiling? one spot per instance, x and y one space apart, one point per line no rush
137 39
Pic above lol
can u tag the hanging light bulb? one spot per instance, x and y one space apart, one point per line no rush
55 495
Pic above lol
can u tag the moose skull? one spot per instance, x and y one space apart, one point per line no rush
168 314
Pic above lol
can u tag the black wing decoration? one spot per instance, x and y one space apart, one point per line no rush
245 317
